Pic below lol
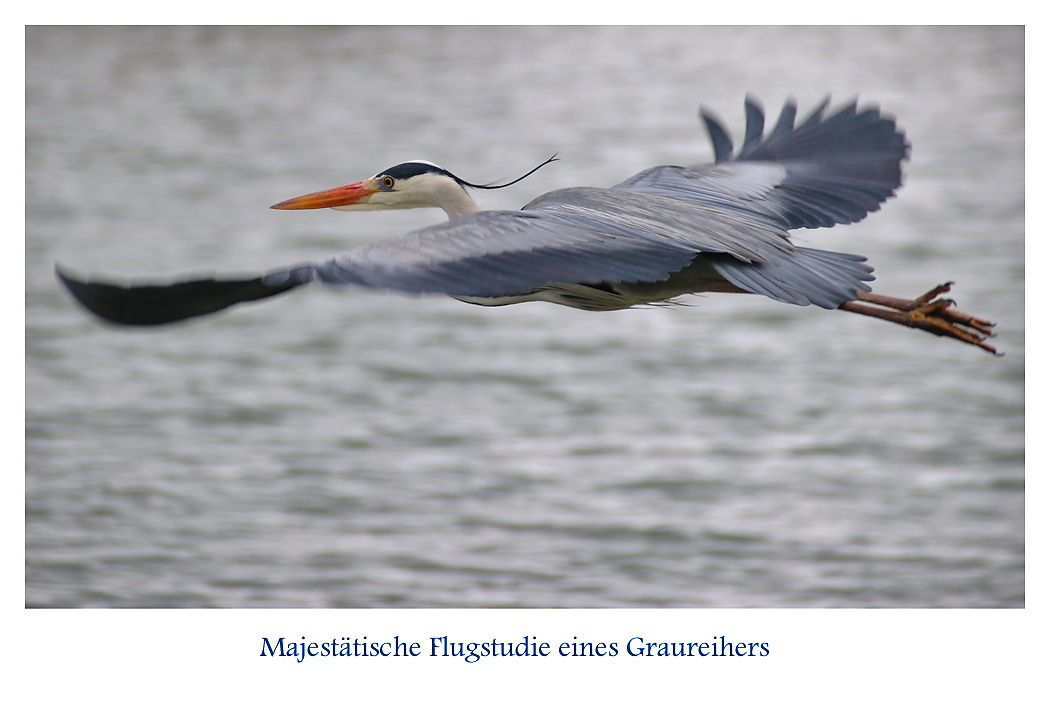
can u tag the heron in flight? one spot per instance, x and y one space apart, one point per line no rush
666 232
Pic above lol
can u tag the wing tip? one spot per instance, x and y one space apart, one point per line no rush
143 305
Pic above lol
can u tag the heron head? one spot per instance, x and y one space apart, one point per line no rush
409 185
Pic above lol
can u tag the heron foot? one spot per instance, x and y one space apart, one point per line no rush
926 313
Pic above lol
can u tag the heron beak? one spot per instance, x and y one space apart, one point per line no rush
357 193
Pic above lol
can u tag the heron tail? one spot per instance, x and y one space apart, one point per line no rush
802 277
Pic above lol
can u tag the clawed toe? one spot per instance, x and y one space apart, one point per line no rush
927 313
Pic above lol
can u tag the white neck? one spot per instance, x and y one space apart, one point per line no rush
450 196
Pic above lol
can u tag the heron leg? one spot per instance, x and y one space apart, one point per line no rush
926 313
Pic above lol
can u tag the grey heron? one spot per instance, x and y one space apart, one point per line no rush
666 232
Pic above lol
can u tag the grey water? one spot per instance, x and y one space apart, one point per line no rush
355 449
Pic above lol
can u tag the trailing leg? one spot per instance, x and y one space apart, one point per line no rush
926 313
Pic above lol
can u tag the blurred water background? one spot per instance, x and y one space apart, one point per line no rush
347 448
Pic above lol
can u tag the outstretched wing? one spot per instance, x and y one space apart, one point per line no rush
825 171
571 236
735 214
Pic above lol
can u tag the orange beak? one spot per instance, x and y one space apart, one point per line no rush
357 193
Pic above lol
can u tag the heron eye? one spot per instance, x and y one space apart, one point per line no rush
388 182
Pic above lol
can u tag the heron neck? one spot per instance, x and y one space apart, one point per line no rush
455 201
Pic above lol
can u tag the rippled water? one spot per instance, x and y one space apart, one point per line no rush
357 449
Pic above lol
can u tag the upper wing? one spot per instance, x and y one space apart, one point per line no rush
825 171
